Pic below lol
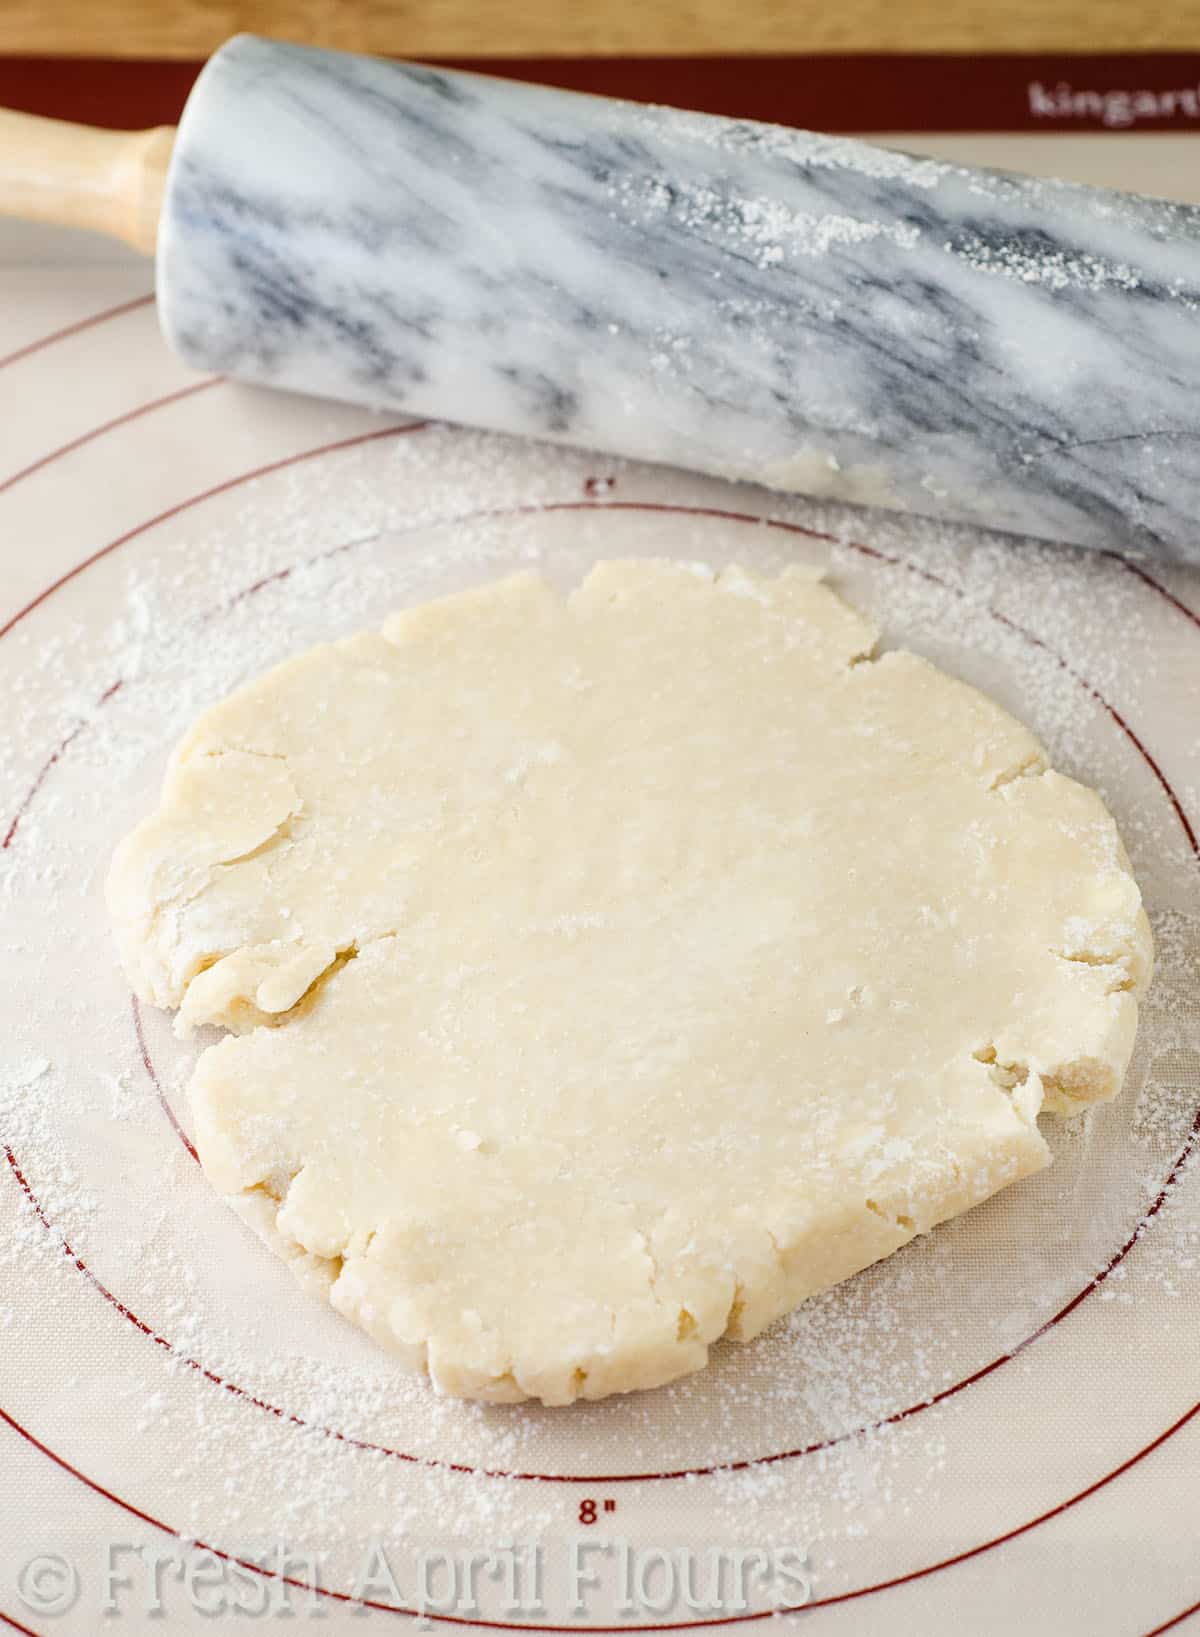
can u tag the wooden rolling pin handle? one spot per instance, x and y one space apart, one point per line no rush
79 176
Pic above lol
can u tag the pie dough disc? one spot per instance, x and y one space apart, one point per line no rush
608 975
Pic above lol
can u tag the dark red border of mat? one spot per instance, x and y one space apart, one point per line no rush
867 92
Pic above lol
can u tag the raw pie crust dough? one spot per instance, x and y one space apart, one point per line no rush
607 976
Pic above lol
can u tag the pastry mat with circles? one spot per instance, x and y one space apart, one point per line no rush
997 1424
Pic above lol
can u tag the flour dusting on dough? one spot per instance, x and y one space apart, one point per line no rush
617 972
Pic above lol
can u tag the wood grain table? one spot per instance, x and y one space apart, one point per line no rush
512 28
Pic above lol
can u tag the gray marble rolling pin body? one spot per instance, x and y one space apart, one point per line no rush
814 314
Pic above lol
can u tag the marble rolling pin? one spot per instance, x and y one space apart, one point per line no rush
810 313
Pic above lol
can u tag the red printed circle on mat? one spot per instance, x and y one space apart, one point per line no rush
682 1625
844 1597
671 509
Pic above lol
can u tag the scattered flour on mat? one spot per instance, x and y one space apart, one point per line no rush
326 549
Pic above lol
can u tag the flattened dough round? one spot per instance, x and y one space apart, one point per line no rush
610 974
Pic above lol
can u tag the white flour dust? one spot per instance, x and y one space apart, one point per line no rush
320 550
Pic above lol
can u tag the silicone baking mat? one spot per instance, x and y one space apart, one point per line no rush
996 1427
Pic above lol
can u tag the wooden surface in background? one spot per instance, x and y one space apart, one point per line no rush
464 28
